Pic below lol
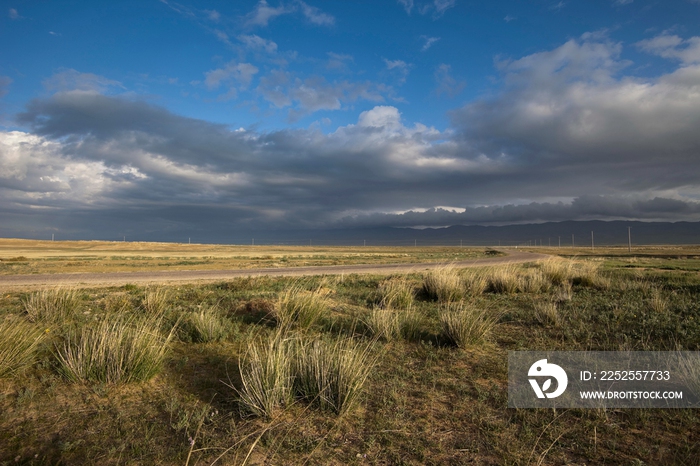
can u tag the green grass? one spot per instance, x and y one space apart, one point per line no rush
325 389
117 349
19 341
53 306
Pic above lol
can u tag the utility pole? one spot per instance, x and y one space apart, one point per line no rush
460 243
572 241
253 240
364 242
415 242
125 239
549 242
51 236
629 239
189 240
592 247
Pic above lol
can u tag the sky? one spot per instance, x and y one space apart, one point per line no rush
163 118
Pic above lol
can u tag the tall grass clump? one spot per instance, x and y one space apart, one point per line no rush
116 349
266 375
393 324
547 313
207 325
155 302
657 301
476 282
464 324
444 284
396 293
534 281
299 307
589 274
557 271
19 341
504 279
331 373
51 305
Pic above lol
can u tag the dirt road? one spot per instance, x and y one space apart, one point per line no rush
188 276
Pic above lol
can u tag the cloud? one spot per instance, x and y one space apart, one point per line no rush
558 6
429 41
339 61
446 84
263 13
399 67
509 18
236 75
316 16
407 5
565 136
213 15
70 79
673 47
257 43
12 14
622 2
443 5
315 93
568 123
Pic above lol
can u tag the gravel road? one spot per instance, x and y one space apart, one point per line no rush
8 282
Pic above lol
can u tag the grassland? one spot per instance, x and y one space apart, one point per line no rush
39 257
430 389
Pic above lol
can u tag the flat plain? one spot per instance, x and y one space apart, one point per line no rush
226 381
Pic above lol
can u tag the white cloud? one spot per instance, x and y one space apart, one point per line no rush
263 13
255 42
400 67
12 13
509 18
316 16
622 2
339 61
672 46
238 73
407 5
446 83
213 15
429 41
443 5
71 79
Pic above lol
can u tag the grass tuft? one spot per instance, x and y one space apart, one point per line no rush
396 293
207 325
18 344
331 373
464 324
444 284
504 280
54 306
299 307
547 313
117 349
266 375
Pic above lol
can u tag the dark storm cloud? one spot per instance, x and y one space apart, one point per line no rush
564 127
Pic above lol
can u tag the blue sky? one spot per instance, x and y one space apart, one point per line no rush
332 114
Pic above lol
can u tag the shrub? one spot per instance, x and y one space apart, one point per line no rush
18 344
51 305
464 324
534 281
117 349
444 284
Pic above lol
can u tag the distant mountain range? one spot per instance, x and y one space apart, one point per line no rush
551 233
